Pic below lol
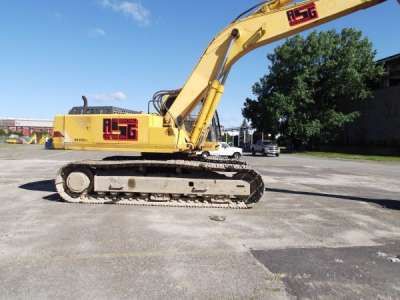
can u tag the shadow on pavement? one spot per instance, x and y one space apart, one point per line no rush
40 186
53 197
43 186
385 203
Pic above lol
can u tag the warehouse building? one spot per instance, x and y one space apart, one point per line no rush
26 127
379 122
392 67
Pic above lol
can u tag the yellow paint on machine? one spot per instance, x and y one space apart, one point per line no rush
86 132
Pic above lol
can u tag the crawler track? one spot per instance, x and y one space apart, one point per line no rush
190 168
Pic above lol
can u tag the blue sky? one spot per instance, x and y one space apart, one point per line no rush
121 52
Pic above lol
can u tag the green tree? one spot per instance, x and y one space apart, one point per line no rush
315 84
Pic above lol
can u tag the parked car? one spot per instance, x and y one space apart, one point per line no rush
265 148
223 149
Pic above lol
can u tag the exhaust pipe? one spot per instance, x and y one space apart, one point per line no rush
85 104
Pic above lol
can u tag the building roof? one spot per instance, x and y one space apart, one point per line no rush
389 58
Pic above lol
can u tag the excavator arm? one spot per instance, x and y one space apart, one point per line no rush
262 24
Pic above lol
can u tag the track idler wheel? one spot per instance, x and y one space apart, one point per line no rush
78 181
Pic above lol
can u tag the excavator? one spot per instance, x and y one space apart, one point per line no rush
168 173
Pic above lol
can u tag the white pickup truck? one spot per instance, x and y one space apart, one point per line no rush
265 148
223 149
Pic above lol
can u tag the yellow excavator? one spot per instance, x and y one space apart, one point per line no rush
168 173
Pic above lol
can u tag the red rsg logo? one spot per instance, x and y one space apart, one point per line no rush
120 129
302 14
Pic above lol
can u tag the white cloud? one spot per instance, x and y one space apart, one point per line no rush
134 10
116 96
96 32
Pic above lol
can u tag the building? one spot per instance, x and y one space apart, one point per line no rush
26 126
242 136
392 67
379 123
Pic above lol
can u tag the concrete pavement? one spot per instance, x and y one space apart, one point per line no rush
324 229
